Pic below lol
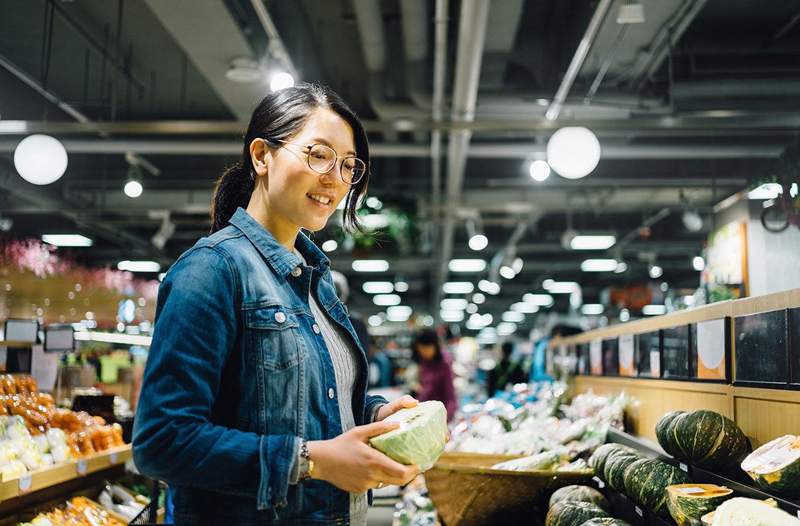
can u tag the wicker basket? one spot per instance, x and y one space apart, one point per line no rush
466 491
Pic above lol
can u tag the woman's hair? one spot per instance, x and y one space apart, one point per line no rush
278 117
426 337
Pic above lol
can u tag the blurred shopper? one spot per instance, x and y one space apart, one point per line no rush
254 405
507 371
435 371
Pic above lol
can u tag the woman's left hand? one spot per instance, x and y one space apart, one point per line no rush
391 408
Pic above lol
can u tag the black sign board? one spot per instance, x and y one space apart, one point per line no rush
794 343
611 357
762 350
675 352
648 354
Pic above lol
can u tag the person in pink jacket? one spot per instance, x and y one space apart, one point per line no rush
435 371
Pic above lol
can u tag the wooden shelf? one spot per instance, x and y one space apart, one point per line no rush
46 478
15 343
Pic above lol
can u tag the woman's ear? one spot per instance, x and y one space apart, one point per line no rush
259 156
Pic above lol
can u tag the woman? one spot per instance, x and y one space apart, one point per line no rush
254 405
435 374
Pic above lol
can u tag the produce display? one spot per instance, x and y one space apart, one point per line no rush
703 438
78 511
605 521
688 503
580 494
775 466
21 452
740 511
615 466
572 513
537 420
646 482
421 437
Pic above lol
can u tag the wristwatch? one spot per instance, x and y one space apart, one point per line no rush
306 464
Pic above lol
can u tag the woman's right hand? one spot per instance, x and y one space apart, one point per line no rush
349 463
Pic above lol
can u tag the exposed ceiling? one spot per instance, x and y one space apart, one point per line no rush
690 106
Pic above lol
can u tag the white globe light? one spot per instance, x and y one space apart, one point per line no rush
540 170
280 81
478 242
133 189
573 152
40 159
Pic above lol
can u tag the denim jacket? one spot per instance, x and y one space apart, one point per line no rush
235 378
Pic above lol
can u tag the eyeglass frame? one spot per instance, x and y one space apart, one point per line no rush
307 148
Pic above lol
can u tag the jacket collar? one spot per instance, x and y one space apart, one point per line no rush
278 257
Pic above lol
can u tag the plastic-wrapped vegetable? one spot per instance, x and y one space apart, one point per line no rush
545 460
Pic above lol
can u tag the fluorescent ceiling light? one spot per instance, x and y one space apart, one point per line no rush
133 189
513 316
400 286
478 298
370 265
280 80
506 328
330 245
67 240
139 266
453 304
458 287
378 287
375 320
374 221
472 308
621 267
698 263
516 266
489 287
592 309
507 272
654 310
561 287
399 313
656 271
766 191
467 265
526 308
452 316
599 265
540 300
478 242
592 242
384 300
539 170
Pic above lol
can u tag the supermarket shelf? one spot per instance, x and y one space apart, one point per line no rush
59 474
741 484
15 343
625 508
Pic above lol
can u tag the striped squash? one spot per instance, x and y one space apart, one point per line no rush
646 483
775 466
664 431
605 521
581 494
615 469
687 503
572 513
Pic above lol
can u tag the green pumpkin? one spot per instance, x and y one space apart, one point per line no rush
605 521
580 494
775 466
646 483
572 513
615 470
663 430
687 503
710 440
598 459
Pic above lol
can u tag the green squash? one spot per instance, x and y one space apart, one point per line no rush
775 466
598 459
572 513
421 437
709 440
605 521
646 483
619 451
615 470
580 494
687 503
664 429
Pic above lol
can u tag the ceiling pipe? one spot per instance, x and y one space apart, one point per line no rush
276 47
414 20
469 53
584 46
502 150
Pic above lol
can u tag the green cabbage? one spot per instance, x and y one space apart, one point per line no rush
420 438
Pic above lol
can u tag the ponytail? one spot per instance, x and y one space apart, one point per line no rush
233 190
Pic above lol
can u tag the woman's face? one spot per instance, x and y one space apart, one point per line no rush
426 351
297 196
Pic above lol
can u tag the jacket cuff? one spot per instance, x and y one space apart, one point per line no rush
277 456
373 405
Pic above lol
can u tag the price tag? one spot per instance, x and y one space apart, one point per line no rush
600 483
82 467
639 511
25 483
684 467
691 491
113 458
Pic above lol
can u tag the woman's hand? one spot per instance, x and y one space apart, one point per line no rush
391 408
350 464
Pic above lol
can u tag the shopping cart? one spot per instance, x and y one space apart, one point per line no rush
149 515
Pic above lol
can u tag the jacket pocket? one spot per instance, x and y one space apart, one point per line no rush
275 334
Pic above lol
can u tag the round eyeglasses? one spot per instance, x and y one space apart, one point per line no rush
322 158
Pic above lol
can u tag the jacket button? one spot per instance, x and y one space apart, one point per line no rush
331 393
296 271
315 328
280 317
